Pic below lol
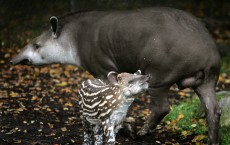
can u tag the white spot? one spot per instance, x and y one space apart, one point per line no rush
102 104
113 101
109 97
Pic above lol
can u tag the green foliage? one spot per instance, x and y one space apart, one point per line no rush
225 64
187 119
225 135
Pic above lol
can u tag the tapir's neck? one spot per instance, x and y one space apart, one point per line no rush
70 53
73 56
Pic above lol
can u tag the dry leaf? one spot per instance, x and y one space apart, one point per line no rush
198 138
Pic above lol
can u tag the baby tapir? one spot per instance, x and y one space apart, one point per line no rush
104 104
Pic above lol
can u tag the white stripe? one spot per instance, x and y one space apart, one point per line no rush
90 114
86 110
94 105
83 101
93 94
94 99
101 81
82 97
113 101
83 85
107 112
102 104
95 86
109 97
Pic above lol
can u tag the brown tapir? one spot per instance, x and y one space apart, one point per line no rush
169 44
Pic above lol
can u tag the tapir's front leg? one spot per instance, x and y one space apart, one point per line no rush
159 108
109 134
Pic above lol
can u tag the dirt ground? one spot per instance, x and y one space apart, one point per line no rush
39 105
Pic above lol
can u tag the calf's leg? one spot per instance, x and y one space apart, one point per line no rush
98 135
109 132
88 134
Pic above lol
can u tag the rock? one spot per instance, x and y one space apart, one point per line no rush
225 112
225 121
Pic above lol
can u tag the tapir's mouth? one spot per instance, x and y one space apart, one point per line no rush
22 62
25 62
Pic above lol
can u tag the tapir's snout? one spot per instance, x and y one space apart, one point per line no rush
24 57
21 58
146 78
15 60
23 62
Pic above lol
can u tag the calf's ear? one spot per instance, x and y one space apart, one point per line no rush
138 72
112 77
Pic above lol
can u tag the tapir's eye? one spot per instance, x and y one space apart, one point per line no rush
119 78
36 46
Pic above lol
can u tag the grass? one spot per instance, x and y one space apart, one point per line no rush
188 118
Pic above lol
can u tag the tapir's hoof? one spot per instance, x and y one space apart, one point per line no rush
129 130
142 132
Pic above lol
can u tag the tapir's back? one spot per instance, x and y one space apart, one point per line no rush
131 40
165 42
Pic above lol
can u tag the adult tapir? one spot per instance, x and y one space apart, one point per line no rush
171 45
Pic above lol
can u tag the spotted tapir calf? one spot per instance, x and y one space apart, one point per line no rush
104 105
170 44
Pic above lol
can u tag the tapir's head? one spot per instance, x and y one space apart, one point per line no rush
131 84
52 46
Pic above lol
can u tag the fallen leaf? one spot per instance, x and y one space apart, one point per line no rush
62 84
64 129
14 94
198 138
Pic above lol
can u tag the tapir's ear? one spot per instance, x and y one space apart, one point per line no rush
112 77
54 26
138 72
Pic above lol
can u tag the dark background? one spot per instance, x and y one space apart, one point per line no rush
28 15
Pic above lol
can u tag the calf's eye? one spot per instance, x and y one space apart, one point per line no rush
36 46
119 78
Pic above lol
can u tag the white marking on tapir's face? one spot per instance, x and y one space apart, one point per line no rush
52 50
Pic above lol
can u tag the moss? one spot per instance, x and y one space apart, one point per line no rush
187 119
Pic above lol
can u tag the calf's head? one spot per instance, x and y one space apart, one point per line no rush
130 84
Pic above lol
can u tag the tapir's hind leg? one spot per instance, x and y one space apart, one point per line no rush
159 108
206 92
